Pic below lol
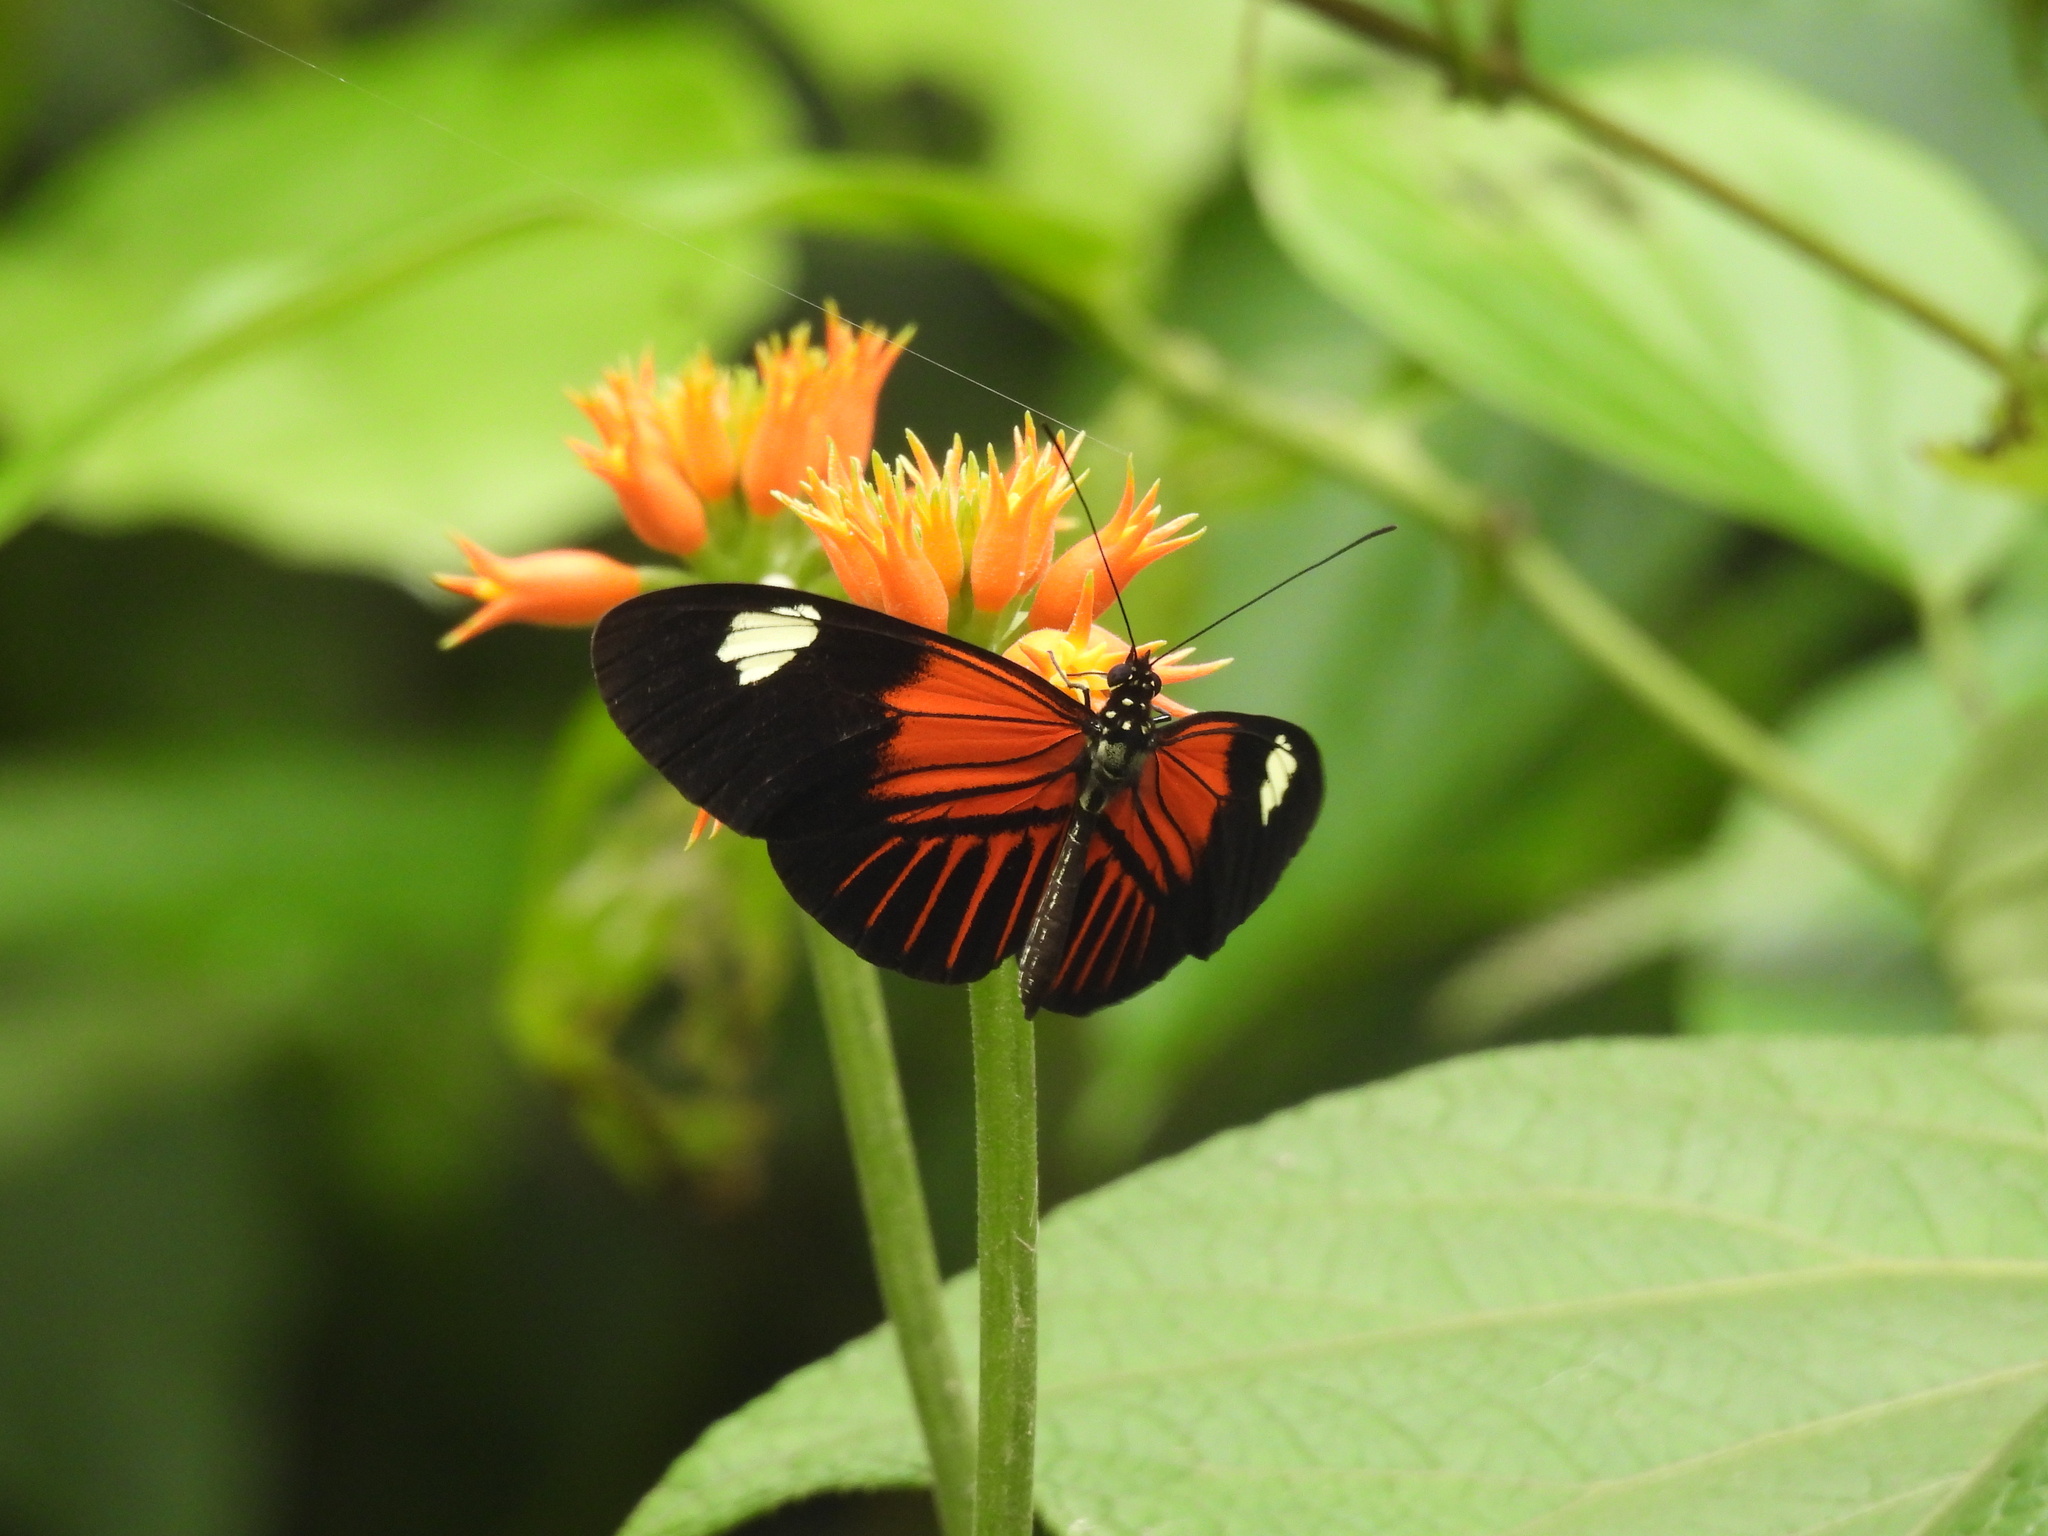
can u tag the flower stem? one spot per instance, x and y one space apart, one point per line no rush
1948 634
899 1227
1383 457
1501 74
1006 1178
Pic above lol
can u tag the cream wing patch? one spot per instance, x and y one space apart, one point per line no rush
762 644
1280 766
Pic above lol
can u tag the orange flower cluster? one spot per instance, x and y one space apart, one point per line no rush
964 543
918 535
671 450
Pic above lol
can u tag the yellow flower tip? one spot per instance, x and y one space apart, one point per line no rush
1079 657
706 825
702 421
1175 669
877 535
1084 610
565 587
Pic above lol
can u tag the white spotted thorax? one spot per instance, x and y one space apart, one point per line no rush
762 644
1280 766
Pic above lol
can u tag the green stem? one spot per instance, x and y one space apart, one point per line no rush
1507 76
1949 635
1668 688
1383 457
1006 1179
899 1227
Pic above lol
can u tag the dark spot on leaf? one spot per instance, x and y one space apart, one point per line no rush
1599 186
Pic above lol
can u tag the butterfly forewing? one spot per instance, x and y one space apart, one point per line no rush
911 786
775 710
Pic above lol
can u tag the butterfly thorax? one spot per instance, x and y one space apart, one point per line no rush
1121 733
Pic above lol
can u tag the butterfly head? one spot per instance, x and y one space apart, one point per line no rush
1134 674
1126 715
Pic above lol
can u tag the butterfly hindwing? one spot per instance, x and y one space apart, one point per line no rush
1186 854
911 787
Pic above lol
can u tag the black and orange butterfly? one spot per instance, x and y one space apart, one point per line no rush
938 808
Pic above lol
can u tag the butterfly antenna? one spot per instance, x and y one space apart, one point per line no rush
1096 534
1240 608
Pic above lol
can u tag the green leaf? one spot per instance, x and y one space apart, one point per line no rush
1990 886
1790 934
2008 1496
1638 322
1654 1288
360 436
647 973
1140 93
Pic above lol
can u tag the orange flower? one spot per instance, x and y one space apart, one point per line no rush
639 461
1078 658
874 535
556 586
670 448
1131 540
898 541
1013 542
906 538
812 397
704 425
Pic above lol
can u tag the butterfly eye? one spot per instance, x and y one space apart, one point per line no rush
1119 674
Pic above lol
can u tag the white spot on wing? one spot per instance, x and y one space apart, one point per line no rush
762 644
1280 766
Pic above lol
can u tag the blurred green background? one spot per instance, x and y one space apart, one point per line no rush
289 1239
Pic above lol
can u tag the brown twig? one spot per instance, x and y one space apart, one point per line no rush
1500 73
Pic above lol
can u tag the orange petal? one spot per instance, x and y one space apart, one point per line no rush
555 586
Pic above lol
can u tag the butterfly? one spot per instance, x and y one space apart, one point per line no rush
938 808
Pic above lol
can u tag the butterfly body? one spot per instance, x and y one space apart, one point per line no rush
1121 738
940 809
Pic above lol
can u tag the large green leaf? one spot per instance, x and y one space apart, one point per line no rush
1941 74
1656 1288
1140 93
2008 1495
1643 324
359 438
1789 933
1990 895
